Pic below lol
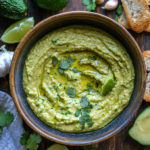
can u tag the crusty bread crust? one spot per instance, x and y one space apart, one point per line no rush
123 21
147 91
137 14
146 55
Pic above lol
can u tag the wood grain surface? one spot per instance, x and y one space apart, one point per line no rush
121 141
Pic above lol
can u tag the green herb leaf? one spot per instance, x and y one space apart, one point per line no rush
6 119
116 19
68 112
71 60
86 147
71 92
54 42
75 70
84 102
91 90
91 4
54 60
60 71
119 10
33 141
24 138
64 64
95 145
1 130
77 113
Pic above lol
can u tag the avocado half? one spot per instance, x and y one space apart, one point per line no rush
13 9
51 4
140 130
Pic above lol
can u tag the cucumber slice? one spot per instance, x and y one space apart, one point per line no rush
57 147
140 130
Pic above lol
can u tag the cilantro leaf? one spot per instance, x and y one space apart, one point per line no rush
71 92
60 71
71 60
6 119
54 60
24 138
91 90
91 4
95 145
68 112
119 10
84 102
64 64
1 129
87 147
75 70
54 42
33 141
116 19
77 113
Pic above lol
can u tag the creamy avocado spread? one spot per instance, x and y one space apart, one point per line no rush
78 78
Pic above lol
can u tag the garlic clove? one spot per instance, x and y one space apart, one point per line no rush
99 1
111 4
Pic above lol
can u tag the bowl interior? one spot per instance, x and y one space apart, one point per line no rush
47 26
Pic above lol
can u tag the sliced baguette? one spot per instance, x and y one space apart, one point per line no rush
137 14
123 21
147 91
146 55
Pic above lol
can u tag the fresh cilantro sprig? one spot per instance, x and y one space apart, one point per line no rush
91 4
54 60
30 141
119 11
89 146
71 60
5 119
71 92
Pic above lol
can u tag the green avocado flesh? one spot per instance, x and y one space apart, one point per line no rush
140 131
57 147
13 9
51 4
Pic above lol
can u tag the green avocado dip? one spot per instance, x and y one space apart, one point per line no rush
78 79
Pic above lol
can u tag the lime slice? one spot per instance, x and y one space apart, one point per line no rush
16 31
57 147
108 85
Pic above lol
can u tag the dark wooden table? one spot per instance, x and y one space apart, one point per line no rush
121 141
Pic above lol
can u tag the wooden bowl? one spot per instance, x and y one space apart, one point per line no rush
57 21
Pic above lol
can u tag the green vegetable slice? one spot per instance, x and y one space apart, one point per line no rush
108 85
57 147
16 31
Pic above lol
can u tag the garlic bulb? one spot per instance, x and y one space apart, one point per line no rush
111 4
5 61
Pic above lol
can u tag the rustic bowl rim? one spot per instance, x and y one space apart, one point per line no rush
14 60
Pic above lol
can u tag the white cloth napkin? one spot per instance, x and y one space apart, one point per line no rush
10 138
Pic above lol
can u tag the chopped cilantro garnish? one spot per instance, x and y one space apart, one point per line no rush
91 4
71 92
54 60
84 102
67 45
64 64
119 10
68 112
75 70
116 18
70 60
77 113
60 71
91 90
54 42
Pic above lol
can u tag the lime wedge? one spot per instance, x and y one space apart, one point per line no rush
108 85
16 31
57 147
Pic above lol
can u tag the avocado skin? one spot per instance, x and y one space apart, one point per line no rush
51 4
13 9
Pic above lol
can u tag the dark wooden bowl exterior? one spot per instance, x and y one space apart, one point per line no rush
64 19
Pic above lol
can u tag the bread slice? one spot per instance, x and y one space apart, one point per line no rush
146 55
123 21
147 91
148 2
137 14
